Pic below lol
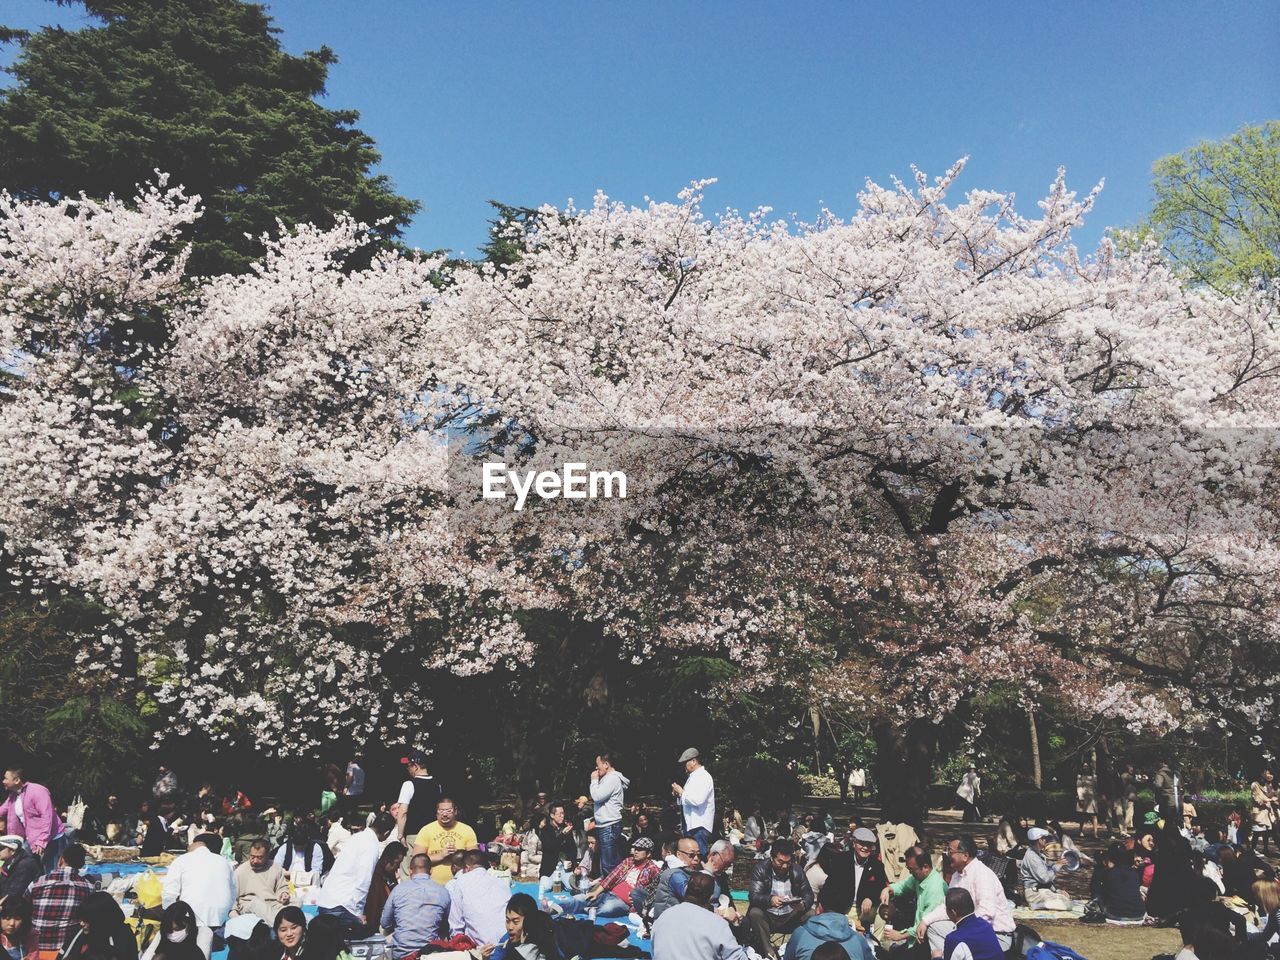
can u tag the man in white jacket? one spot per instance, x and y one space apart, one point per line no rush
607 787
697 800
202 878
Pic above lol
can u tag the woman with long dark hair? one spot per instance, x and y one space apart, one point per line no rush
385 873
177 937
529 934
102 934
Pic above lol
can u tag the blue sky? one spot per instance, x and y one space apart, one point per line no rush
790 104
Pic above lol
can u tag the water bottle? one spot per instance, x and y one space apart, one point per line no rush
591 914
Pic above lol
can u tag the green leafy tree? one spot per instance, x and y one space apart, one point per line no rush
202 90
1217 207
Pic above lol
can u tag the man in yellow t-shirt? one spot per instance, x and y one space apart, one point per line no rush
442 838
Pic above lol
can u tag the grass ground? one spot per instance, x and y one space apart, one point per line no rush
1102 942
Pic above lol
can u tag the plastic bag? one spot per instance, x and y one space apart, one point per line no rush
75 813
148 890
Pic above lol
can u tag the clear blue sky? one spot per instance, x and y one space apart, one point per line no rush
789 103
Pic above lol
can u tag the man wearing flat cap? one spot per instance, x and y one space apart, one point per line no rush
697 800
869 876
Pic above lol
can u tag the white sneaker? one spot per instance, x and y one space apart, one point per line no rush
635 919
552 907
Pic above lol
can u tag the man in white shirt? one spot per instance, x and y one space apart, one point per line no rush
697 800
347 885
690 931
478 900
989 901
202 878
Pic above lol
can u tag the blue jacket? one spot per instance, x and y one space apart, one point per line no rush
980 937
827 928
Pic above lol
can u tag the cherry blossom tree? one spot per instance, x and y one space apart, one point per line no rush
886 460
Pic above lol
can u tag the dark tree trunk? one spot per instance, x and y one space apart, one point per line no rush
903 770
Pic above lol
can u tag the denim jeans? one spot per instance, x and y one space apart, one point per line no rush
703 836
609 835
606 906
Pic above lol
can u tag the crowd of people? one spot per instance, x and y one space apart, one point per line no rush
412 877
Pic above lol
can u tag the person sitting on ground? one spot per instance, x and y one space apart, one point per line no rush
924 885
830 924
622 893
672 881
1039 876
559 849
17 938
442 838
290 934
1265 897
588 869
417 911
478 900
780 897
990 903
868 875
55 897
19 868
177 938
386 872
529 934
261 886
691 931
303 857
1011 835
1173 881
1117 885
347 885
720 857
100 932
971 937
202 878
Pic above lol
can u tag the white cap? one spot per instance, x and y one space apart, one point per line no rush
1035 833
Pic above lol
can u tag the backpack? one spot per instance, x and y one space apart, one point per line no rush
1048 950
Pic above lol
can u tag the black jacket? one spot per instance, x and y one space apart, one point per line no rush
20 871
557 846
761 884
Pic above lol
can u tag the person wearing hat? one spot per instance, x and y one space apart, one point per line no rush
607 788
697 799
868 875
622 893
18 868
415 806
1039 876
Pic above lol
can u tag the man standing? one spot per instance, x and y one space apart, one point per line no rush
1165 786
697 799
478 900
261 886
418 797
442 838
1039 876
18 869
690 931
56 897
28 813
985 891
928 888
416 910
354 789
780 895
607 786
347 885
202 878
